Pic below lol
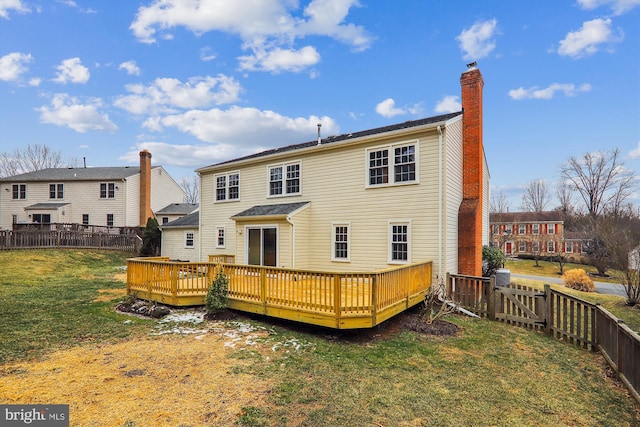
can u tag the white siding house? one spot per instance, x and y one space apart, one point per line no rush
104 196
356 202
181 238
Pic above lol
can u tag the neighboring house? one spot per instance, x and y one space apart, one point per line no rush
105 196
181 238
535 233
360 201
174 211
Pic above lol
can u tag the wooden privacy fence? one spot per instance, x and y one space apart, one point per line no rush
32 239
556 314
332 299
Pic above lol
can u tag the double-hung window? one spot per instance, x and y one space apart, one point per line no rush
551 246
522 229
399 242
228 187
551 229
390 165
19 191
189 239
341 242
220 237
110 220
284 179
56 191
535 229
568 247
107 190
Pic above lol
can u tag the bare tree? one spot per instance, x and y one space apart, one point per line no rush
499 203
32 158
601 180
191 187
536 196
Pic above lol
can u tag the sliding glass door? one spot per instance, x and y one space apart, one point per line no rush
262 246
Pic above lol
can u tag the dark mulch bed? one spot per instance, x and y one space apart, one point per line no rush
412 320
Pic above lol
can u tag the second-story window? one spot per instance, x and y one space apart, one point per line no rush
19 191
522 229
107 190
551 229
284 179
395 164
56 191
228 187
535 229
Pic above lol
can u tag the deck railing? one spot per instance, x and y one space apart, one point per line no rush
558 315
333 299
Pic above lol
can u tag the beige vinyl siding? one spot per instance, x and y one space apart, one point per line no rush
453 192
173 244
86 200
334 181
486 197
164 190
132 197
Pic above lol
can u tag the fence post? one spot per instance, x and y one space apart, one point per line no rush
547 309
448 286
492 299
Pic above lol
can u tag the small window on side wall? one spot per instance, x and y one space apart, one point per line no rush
189 239
220 237
399 242
341 242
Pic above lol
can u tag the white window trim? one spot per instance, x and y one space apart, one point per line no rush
224 238
522 246
551 229
535 231
193 239
390 259
553 249
568 247
522 229
391 164
284 179
261 226
226 188
333 241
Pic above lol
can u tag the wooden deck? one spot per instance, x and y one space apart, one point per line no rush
331 299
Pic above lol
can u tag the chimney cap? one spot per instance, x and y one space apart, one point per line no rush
472 65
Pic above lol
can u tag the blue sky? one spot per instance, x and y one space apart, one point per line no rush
197 82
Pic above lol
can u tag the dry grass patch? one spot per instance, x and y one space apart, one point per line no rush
163 380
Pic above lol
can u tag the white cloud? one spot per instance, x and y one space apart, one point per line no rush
130 67
265 26
13 65
278 60
618 7
7 5
448 104
67 111
477 41
35 81
165 95
187 156
72 70
387 108
635 153
242 127
206 54
588 39
534 92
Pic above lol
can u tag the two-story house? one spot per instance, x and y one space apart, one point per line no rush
535 234
103 196
361 201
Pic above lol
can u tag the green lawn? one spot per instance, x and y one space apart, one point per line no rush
490 374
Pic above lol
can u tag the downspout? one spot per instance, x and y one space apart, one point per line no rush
292 258
440 204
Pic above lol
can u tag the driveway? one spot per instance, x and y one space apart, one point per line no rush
601 287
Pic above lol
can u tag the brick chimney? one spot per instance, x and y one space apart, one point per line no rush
470 212
145 187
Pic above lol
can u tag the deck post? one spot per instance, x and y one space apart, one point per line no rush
374 299
173 274
337 297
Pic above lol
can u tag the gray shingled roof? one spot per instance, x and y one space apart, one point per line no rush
46 206
271 210
191 220
178 209
354 135
76 174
